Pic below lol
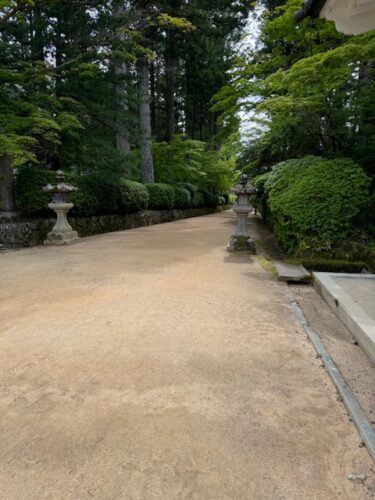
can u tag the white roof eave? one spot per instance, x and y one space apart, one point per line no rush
352 17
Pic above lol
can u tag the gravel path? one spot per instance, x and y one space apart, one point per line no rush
150 364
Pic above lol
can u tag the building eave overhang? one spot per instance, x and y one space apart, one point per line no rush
312 8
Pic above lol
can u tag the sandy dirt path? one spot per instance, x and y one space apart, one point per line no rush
150 364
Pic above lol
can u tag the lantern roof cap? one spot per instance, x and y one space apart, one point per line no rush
244 187
61 186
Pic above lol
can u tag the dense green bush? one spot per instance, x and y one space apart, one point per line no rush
97 194
161 196
198 200
182 197
330 265
30 197
189 187
313 200
218 200
212 200
201 198
100 194
209 199
134 196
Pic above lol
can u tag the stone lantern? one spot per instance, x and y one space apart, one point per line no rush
241 241
62 233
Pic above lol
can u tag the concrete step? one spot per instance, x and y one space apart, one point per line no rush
292 272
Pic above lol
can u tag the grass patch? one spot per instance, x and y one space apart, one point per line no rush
267 264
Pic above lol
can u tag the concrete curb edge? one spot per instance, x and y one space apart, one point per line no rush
351 403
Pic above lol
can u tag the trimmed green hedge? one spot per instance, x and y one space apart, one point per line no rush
134 196
97 194
213 200
209 199
198 200
30 197
182 197
100 194
312 201
190 187
161 196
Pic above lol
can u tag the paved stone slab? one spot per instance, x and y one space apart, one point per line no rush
291 272
352 298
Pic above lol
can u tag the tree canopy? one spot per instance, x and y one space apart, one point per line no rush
89 85
309 88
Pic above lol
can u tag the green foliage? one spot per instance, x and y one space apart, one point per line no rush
310 90
30 197
198 200
330 265
134 196
161 196
179 161
182 197
189 187
220 166
175 22
342 250
85 200
69 95
188 161
210 200
18 147
97 194
313 201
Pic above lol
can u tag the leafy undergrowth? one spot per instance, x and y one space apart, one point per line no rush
330 265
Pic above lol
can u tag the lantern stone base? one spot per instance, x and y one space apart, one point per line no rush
62 233
241 244
61 238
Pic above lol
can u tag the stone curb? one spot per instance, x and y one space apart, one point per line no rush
351 403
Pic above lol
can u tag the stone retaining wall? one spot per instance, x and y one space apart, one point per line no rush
17 232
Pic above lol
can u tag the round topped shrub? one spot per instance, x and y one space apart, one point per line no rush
134 196
190 187
182 197
161 196
314 200
198 200
97 194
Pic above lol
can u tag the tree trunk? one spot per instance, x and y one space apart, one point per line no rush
147 163
364 82
170 70
122 134
6 185
36 24
59 55
153 99
121 70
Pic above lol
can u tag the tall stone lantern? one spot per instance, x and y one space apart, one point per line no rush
241 241
62 233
